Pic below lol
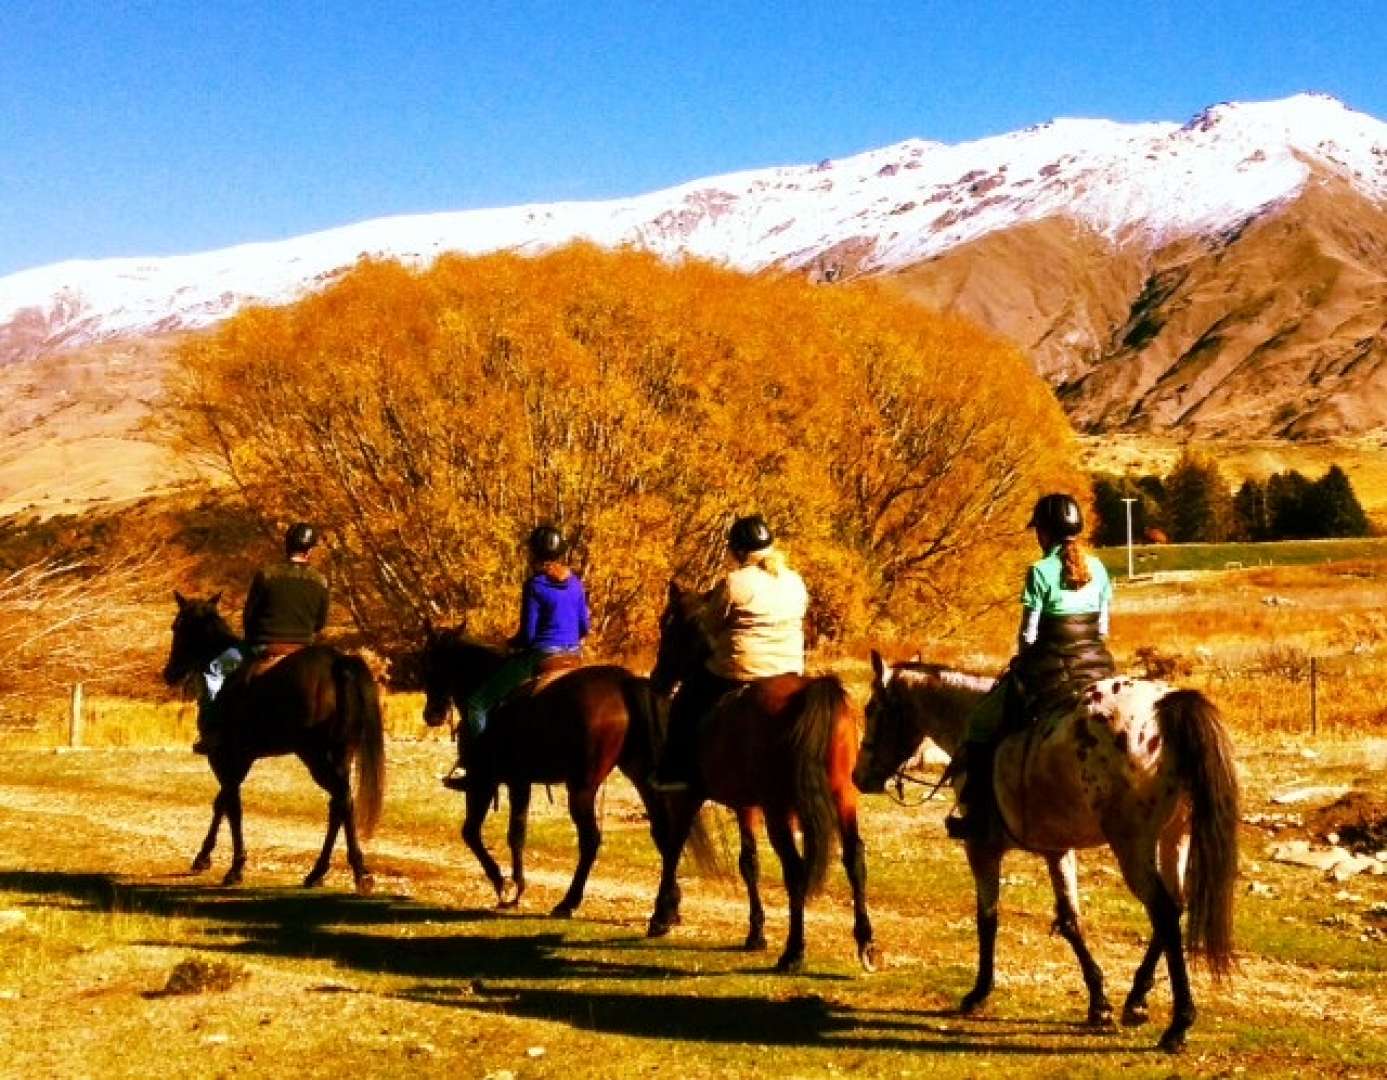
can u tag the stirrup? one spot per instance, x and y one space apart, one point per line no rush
455 780
669 786
204 745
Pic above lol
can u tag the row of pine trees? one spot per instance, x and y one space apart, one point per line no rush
1194 503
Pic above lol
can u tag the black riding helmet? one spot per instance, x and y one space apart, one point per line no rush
1058 514
545 543
300 537
748 534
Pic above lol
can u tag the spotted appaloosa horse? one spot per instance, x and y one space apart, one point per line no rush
1139 766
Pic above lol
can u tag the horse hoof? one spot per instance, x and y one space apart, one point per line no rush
200 864
1135 1015
972 1004
1100 1017
658 928
1172 1042
754 943
562 911
869 957
365 885
313 880
789 965
233 877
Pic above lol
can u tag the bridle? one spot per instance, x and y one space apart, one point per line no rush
895 786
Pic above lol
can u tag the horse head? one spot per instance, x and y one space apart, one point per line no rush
199 634
911 702
683 646
451 666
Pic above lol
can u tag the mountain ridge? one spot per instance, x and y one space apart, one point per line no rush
1056 236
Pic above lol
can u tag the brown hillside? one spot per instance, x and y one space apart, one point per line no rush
74 429
1277 328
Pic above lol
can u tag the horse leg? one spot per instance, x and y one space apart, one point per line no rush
334 783
681 810
515 837
203 860
1064 878
238 844
782 839
1171 854
749 863
478 804
1139 868
1134 1009
855 863
582 809
985 860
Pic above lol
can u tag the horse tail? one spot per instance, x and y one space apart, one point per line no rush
810 742
1192 728
359 704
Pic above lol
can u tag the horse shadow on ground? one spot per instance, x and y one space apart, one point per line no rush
518 974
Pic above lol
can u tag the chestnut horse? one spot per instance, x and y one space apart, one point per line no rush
318 704
1139 766
785 746
573 731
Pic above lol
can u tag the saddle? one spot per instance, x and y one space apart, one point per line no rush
269 656
547 671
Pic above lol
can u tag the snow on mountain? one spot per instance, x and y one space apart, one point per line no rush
1145 183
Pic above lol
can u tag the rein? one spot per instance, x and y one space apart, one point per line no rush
902 777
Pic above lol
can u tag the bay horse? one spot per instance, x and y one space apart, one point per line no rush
318 703
784 747
1139 766
573 731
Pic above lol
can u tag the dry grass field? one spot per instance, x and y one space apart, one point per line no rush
114 963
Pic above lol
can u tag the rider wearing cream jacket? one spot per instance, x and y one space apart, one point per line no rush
754 622
755 619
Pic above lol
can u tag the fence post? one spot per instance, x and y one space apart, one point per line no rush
74 717
1314 696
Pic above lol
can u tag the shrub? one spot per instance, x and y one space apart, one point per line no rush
429 419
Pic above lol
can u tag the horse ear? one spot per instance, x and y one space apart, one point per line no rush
879 667
215 599
429 632
675 592
182 600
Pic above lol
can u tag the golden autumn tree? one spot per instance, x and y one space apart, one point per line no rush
428 419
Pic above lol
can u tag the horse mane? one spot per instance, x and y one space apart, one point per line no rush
457 638
916 672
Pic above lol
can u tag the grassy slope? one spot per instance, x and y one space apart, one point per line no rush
425 978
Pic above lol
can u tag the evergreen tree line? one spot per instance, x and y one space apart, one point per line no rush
1193 503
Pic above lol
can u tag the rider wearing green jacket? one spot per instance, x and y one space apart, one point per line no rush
1061 648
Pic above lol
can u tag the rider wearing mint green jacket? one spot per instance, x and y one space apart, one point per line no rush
1061 649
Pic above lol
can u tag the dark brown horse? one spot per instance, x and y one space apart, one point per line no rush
573 731
1138 765
318 704
784 746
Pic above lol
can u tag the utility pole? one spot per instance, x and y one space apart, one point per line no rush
1129 502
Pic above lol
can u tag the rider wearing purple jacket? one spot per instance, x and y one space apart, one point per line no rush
553 622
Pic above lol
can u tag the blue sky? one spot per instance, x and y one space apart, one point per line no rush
146 128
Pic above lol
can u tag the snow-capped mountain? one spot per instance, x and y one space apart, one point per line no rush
1124 200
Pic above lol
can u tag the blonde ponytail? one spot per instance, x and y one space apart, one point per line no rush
1075 560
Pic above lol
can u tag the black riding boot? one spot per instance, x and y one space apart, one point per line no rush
976 815
674 772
